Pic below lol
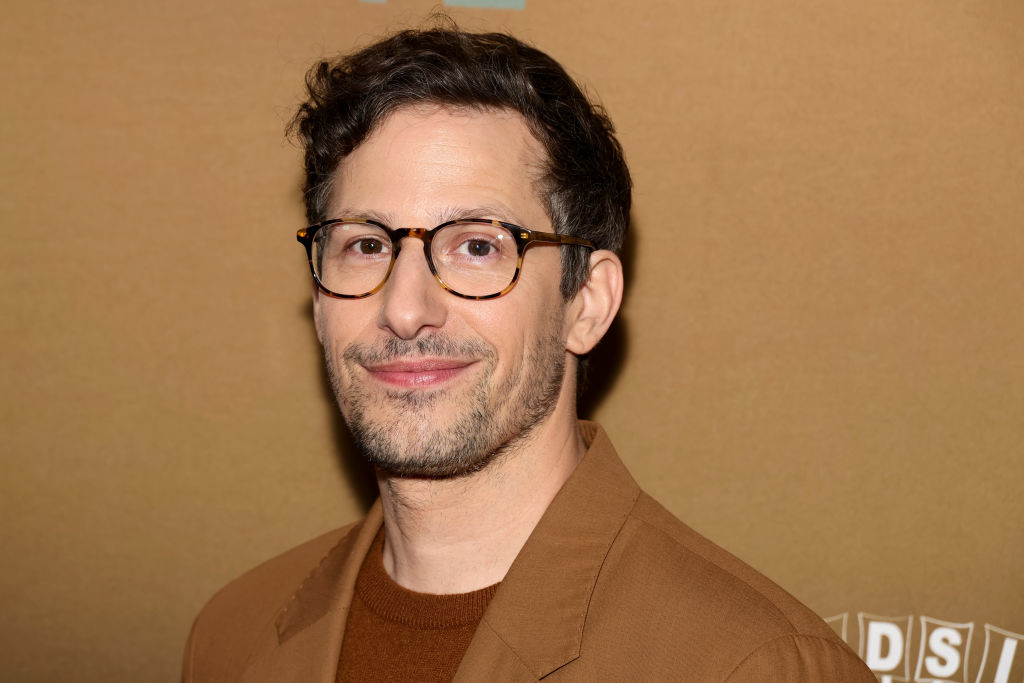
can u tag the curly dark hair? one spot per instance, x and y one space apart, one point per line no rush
585 186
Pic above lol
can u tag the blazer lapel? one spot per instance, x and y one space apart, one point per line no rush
534 624
305 641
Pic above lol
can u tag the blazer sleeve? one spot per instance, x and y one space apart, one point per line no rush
798 658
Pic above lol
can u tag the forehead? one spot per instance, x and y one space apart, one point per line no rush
427 162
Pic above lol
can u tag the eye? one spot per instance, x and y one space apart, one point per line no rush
477 247
368 246
364 246
472 245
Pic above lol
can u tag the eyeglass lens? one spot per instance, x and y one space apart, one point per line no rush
473 259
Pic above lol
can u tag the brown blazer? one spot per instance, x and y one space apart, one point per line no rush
609 587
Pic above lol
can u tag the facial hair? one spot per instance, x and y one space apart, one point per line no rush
395 429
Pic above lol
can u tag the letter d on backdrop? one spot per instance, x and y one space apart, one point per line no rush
883 645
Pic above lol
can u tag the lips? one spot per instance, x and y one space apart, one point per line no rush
419 372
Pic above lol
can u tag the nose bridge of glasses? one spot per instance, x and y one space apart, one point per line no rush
398 236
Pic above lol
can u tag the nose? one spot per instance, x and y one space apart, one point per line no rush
412 301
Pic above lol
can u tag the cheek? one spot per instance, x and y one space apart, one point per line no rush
516 329
339 320
491 322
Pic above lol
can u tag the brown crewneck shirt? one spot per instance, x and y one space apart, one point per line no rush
395 634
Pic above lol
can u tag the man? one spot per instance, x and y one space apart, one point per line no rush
467 202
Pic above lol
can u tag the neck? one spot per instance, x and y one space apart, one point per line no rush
458 535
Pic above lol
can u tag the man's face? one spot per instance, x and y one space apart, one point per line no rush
430 384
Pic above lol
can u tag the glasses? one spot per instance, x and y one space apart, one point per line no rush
473 258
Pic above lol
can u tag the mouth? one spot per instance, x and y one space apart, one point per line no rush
419 373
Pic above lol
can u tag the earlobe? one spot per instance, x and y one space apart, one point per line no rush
316 313
594 307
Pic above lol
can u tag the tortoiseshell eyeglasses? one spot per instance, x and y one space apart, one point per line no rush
473 258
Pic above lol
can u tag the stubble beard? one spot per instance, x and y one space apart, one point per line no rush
396 431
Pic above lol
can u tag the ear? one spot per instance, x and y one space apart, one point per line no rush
593 309
316 313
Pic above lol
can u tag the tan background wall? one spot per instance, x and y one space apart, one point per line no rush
821 363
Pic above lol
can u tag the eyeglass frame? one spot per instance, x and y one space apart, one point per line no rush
523 237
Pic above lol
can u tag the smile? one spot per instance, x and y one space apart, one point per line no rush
419 372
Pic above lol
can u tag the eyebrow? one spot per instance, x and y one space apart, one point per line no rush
450 213
380 217
489 211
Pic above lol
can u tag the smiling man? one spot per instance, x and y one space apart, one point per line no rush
467 203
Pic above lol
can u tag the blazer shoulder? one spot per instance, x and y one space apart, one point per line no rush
225 632
725 576
666 589
797 658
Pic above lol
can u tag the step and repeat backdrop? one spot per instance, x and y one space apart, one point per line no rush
819 362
